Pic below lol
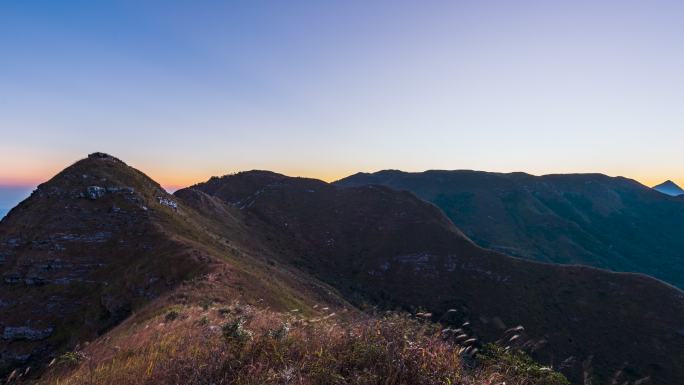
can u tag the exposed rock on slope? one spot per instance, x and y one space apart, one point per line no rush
81 254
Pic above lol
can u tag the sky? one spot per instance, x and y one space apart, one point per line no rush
184 90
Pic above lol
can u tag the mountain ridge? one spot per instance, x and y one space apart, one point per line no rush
100 242
591 219
434 255
282 243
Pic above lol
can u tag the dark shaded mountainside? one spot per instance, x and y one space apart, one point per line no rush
391 249
588 219
101 243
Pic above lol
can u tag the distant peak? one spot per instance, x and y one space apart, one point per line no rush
668 183
670 188
100 172
99 155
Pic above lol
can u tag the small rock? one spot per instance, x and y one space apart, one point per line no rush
34 281
95 192
14 357
12 278
12 242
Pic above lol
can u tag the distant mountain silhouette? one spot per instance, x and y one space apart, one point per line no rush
670 188
589 219
3 212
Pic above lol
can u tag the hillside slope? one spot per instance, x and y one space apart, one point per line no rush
63 248
107 279
588 219
382 247
101 242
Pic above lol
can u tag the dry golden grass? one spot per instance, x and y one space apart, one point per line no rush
244 345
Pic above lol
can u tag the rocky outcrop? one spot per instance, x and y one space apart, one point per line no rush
9 357
15 333
97 192
168 202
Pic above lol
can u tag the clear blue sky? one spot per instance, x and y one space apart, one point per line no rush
188 89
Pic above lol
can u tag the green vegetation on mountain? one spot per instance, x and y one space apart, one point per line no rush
588 219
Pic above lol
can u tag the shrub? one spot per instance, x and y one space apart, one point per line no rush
71 358
171 315
281 332
518 365
224 312
204 320
206 304
236 330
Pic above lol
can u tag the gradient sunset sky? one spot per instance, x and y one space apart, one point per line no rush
188 89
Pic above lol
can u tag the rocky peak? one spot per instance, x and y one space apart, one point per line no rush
102 155
90 235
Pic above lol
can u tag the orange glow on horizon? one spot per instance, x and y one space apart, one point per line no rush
174 181
33 175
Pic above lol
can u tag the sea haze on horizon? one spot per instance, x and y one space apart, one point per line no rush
11 196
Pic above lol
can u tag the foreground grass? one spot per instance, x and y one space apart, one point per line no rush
244 345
